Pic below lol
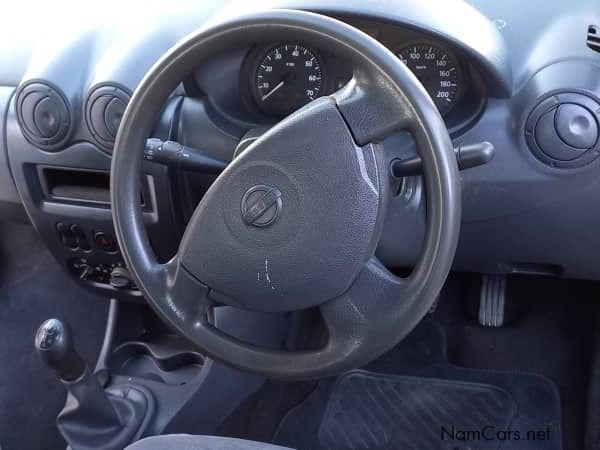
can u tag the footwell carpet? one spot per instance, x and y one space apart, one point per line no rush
412 398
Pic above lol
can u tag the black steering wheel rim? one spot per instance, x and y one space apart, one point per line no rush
383 97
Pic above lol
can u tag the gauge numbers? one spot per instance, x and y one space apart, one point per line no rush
438 70
287 77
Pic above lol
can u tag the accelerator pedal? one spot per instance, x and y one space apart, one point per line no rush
492 300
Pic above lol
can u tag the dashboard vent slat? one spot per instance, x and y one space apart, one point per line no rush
593 38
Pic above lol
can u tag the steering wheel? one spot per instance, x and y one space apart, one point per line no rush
293 222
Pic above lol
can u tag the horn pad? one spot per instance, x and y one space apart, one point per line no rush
292 220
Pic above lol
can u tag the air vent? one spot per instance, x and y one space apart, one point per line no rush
562 130
104 109
593 38
44 115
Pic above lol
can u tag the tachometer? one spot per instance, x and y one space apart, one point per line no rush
438 70
286 78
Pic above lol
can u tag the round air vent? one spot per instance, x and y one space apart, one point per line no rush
44 115
563 130
104 109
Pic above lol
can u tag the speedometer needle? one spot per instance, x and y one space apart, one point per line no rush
272 91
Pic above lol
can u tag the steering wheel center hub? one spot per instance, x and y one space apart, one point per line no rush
291 221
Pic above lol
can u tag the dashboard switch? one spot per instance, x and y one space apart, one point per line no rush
80 238
120 278
174 154
86 272
105 242
66 236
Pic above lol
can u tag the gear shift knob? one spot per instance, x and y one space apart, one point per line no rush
54 345
93 418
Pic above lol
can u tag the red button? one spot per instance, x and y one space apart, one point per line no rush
105 242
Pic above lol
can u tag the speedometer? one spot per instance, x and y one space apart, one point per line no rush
286 78
438 70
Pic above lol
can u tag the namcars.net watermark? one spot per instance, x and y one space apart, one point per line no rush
491 433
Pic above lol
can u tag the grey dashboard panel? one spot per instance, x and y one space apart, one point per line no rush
8 192
518 213
118 41
120 48
539 33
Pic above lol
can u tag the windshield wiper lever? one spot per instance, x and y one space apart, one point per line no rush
467 156
174 154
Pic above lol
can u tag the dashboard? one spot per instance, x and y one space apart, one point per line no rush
524 78
276 78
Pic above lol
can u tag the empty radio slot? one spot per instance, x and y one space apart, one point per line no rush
80 186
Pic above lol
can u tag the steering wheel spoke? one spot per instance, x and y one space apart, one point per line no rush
372 108
364 320
185 298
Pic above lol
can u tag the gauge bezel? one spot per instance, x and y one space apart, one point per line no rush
462 78
259 57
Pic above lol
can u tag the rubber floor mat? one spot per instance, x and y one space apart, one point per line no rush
413 398
380 412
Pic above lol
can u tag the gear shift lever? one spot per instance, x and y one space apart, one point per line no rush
54 344
93 418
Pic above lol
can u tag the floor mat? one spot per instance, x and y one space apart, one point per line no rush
380 412
422 411
551 334
33 288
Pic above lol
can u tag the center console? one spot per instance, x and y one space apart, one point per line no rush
148 381
66 193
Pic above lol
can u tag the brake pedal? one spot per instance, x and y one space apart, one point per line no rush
492 300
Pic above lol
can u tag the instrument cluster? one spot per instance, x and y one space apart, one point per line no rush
260 83
286 76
